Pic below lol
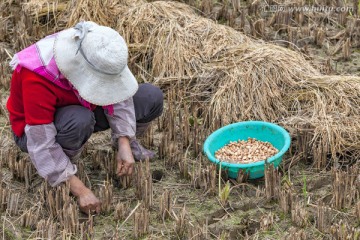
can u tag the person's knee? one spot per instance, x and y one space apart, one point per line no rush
158 100
75 124
84 121
148 103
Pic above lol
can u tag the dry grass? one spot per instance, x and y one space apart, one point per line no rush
213 75
229 75
237 78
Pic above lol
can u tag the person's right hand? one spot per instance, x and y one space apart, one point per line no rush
88 202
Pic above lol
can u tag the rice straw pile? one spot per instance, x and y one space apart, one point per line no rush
232 76
239 78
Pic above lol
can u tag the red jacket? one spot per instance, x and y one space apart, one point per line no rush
33 100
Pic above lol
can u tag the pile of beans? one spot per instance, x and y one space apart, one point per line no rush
248 151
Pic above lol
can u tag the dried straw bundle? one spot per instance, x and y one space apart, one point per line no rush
237 78
231 76
169 40
104 12
23 22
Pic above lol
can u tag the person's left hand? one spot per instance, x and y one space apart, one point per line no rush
125 158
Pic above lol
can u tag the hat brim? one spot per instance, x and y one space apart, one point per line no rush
93 86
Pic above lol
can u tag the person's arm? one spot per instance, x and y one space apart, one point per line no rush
39 101
122 122
45 153
123 128
52 164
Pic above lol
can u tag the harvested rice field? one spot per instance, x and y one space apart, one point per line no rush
293 63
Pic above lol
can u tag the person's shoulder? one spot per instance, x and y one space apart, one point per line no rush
34 80
28 75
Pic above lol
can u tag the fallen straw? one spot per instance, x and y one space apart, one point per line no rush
132 212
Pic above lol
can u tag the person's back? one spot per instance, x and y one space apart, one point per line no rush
33 100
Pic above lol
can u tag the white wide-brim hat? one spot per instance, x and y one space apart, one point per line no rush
93 59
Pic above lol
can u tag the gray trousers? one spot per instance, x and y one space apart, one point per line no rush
75 123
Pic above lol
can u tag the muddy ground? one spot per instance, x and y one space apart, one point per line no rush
295 202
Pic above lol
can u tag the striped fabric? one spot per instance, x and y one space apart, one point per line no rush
51 160
47 155
123 120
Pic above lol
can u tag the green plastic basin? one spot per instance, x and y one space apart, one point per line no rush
263 131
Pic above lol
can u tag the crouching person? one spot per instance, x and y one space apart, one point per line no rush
69 85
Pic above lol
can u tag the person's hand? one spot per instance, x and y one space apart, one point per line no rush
125 158
88 202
